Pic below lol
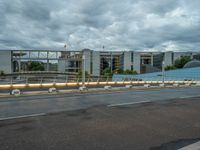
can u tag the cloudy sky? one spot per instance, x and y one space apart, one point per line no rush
150 25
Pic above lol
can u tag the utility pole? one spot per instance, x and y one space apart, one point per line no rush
111 62
83 87
65 47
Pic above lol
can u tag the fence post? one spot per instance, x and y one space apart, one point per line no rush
41 80
26 80
11 80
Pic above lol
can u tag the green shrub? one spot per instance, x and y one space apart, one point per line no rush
180 62
2 73
170 68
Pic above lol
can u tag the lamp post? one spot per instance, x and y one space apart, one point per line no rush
83 71
111 62
65 47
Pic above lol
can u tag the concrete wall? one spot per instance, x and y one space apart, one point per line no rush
136 61
61 65
152 59
87 54
96 63
5 61
168 58
127 60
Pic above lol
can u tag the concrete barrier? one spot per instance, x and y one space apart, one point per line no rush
175 85
107 87
128 86
197 84
15 92
187 84
83 88
52 90
162 85
147 85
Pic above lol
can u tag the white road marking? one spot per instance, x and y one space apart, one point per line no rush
195 146
192 96
24 116
123 104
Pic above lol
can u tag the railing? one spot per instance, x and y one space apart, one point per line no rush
68 81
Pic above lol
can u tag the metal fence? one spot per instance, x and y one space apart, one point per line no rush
25 79
182 76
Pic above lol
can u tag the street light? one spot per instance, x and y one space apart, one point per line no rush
83 87
83 71
65 47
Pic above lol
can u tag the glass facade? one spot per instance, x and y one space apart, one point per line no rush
188 74
111 61
157 60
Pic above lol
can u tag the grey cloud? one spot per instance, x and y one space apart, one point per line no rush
126 25
36 11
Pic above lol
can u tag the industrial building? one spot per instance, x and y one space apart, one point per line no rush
13 61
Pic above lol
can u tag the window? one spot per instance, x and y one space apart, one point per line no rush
42 54
34 54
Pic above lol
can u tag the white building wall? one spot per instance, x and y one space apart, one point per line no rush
127 60
5 61
152 59
136 61
96 63
61 65
168 58
87 54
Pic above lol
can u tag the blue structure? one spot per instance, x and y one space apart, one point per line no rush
187 74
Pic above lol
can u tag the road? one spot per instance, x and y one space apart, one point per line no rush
12 107
169 121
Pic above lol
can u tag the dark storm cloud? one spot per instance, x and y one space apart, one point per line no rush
158 25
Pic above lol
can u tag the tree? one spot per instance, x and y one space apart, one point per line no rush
180 62
107 72
130 72
36 66
170 67
118 71
2 73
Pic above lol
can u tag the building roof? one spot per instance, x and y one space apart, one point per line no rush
191 64
171 75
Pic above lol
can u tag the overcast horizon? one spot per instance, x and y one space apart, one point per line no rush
144 25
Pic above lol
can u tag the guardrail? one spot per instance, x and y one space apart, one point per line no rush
74 84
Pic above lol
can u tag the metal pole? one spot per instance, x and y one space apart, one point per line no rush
83 71
111 63
163 72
